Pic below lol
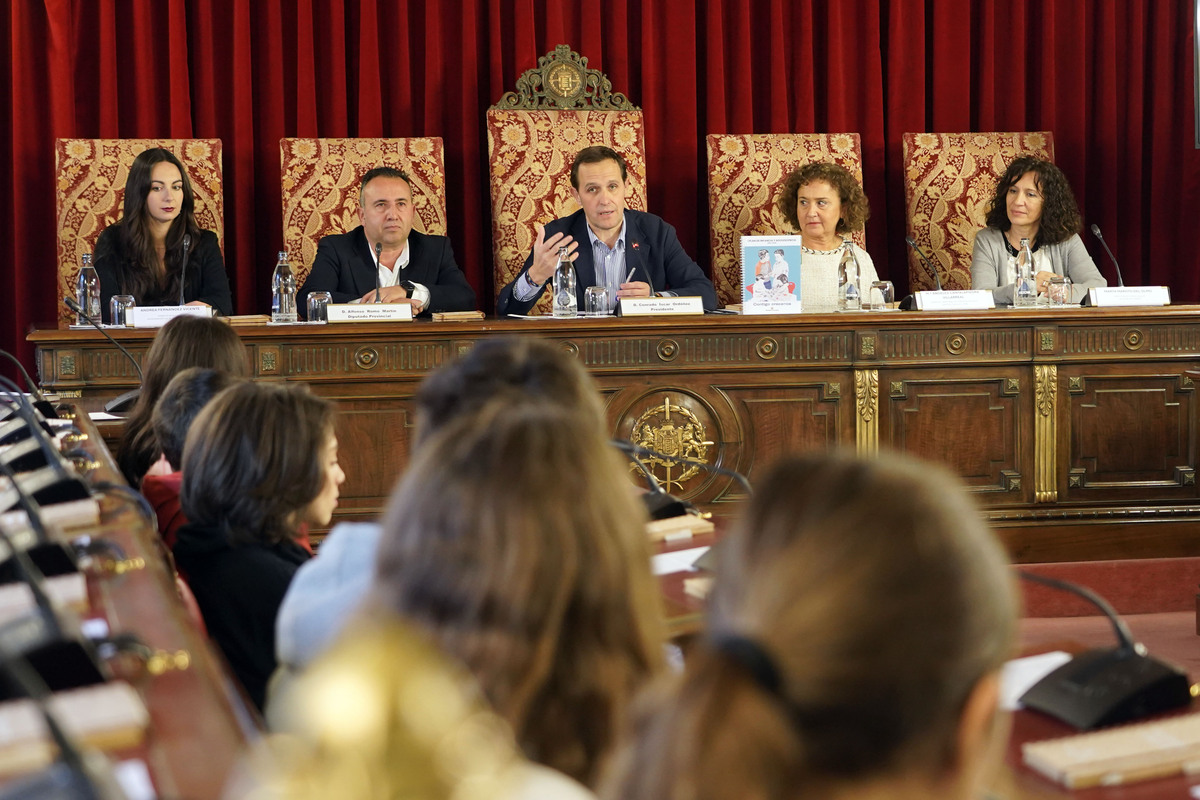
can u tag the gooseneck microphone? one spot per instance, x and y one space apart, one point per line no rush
658 501
187 243
1108 685
39 400
634 449
928 264
1096 233
124 400
378 253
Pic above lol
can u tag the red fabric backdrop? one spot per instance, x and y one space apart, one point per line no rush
1113 81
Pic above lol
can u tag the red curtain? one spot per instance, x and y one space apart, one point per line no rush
1113 81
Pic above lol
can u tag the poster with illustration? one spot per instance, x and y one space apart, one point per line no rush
771 274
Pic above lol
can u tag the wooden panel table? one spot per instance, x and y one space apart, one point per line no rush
1075 428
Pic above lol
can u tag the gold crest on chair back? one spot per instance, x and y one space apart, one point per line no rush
745 174
949 179
90 194
559 108
320 180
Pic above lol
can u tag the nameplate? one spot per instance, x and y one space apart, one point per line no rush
157 316
661 306
370 312
955 300
1110 296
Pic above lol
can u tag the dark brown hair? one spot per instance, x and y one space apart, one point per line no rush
881 600
595 155
514 540
186 394
382 172
856 210
185 341
137 262
1060 213
252 461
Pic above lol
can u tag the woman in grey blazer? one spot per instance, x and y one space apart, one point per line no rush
1033 200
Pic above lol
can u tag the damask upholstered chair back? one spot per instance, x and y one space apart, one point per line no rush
320 187
949 179
745 175
533 134
90 194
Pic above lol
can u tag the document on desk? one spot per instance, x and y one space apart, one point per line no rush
676 561
1020 674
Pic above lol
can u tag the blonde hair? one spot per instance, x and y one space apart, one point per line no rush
856 607
515 541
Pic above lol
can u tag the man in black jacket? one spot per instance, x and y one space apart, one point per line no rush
412 267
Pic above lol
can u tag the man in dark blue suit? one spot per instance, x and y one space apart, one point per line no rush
412 267
633 253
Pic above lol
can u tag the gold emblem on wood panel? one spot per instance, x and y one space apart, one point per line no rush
866 396
1186 476
897 389
956 343
668 349
1046 340
672 430
1133 339
267 361
66 365
1045 443
766 347
1186 383
867 344
1012 386
1075 384
562 79
833 390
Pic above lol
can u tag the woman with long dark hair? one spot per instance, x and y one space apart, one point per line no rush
143 253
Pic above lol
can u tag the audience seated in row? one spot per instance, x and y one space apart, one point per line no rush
853 647
260 462
183 342
184 398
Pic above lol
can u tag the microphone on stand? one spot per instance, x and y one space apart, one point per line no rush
659 502
378 253
634 449
1109 685
928 264
1096 233
40 402
124 401
187 243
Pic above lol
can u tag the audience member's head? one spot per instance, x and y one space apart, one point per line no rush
186 394
518 368
259 461
860 616
185 341
516 542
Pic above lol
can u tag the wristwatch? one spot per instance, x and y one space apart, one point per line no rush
408 286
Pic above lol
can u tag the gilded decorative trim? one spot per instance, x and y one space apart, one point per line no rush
956 343
673 430
897 389
766 347
866 396
1046 341
867 344
833 390
1133 339
1075 384
562 80
1045 443
1186 384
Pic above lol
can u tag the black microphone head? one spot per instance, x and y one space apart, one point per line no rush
378 248
1096 231
73 304
187 241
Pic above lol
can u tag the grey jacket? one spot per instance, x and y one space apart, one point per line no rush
990 257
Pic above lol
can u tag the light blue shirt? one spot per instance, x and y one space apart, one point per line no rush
609 263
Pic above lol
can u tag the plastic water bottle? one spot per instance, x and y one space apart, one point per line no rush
1025 293
849 296
283 291
87 292
565 302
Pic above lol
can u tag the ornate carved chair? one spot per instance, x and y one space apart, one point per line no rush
559 108
90 193
320 187
949 178
745 173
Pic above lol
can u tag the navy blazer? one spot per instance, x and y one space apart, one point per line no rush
345 267
651 248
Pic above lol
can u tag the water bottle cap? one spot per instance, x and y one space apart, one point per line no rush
283 255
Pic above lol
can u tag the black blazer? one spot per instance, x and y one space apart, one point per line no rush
206 279
345 267
651 247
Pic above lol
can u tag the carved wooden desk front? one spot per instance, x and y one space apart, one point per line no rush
1076 429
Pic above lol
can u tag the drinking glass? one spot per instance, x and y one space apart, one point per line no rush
881 296
117 307
318 303
595 301
1058 289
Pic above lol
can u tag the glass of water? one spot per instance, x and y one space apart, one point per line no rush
596 301
1058 290
117 308
880 296
318 306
